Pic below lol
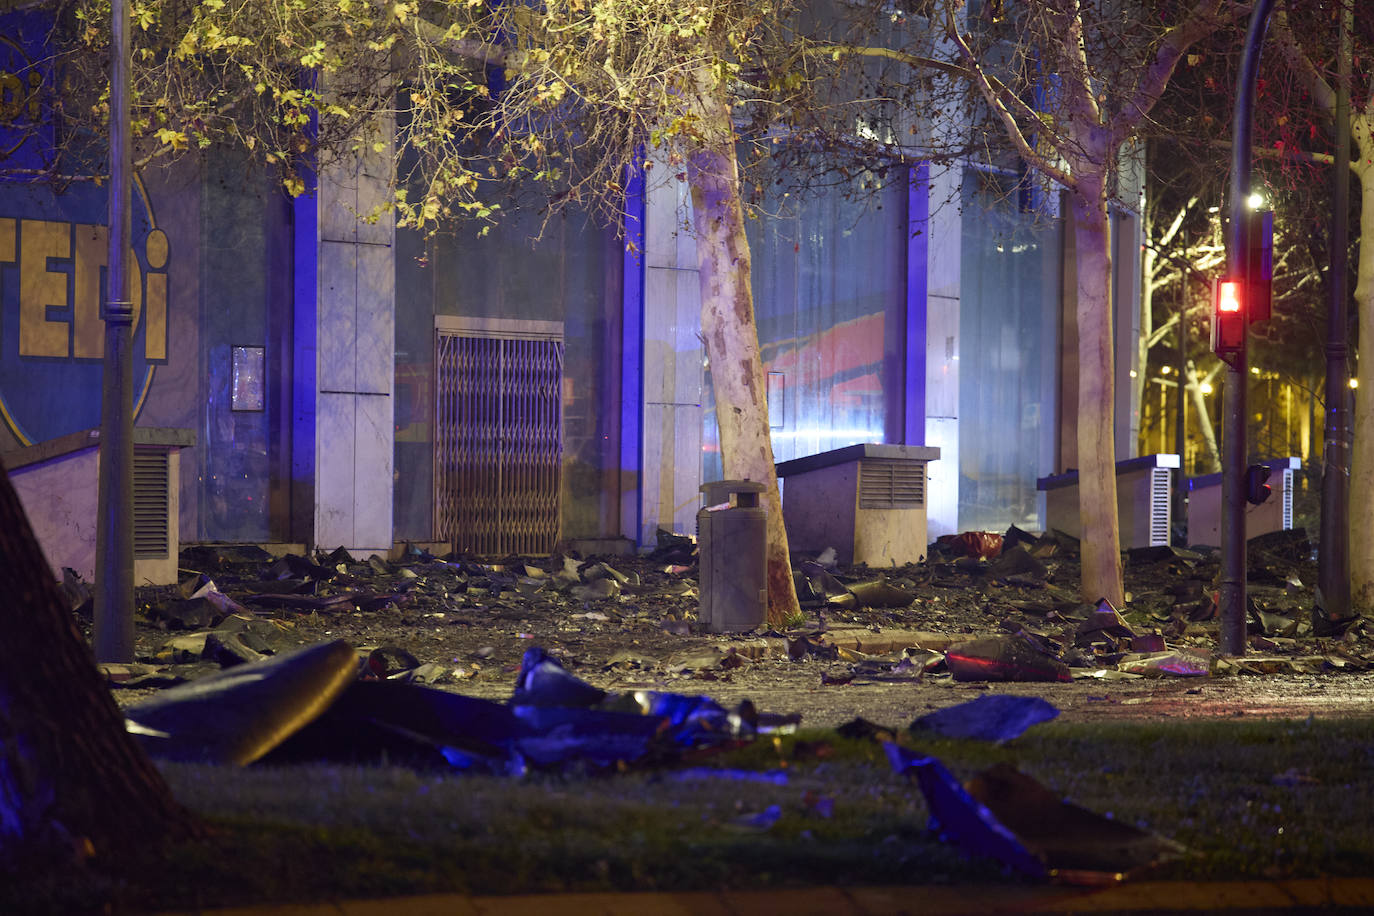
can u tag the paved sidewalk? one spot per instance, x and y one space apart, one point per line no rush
1312 894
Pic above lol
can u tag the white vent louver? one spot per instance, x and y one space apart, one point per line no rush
1159 507
891 484
1287 498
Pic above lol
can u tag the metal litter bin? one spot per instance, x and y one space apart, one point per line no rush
733 558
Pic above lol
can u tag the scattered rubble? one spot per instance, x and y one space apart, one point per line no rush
981 608
602 663
330 702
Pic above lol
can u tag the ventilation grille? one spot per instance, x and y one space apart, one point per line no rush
498 443
151 537
887 484
1159 507
1287 498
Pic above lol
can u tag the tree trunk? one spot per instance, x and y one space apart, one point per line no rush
1148 257
73 783
1101 543
731 336
1362 454
1204 420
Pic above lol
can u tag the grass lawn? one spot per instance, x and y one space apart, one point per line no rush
1251 799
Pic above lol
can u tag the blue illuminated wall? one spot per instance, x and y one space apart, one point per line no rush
245 299
209 255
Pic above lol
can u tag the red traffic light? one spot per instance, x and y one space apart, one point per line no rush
1256 490
1228 316
1228 296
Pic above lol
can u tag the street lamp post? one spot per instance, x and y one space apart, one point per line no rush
1231 595
114 596
1333 561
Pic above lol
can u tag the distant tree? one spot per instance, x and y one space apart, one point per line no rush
1070 86
1306 42
1182 254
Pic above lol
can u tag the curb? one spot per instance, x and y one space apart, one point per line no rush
1327 894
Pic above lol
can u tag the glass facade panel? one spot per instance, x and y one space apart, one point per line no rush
829 275
1008 324
572 275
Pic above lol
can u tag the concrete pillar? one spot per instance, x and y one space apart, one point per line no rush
345 347
674 377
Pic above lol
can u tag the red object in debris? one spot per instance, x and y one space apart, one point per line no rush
978 544
1003 658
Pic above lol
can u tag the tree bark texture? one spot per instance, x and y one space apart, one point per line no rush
1139 382
1204 420
1101 543
73 783
731 335
1361 492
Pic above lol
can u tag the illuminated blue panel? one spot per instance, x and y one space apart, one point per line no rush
26 91
632 355
917 250
53 248
305 308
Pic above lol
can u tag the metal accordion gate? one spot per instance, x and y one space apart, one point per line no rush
498 435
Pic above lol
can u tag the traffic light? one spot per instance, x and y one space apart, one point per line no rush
1259 262
1256 490
1228 316
1240 300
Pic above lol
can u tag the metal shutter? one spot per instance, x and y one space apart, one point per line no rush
498 442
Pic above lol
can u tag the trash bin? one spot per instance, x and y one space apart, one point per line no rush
867 501
732 529
1274 514
1143 504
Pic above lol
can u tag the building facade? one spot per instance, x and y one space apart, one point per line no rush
353 385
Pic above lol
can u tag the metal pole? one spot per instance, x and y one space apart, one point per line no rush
1333 560
114 596
1231 595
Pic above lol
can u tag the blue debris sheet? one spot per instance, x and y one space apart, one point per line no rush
310 705
1005 815
991 717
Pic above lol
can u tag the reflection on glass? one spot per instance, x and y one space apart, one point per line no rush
1008 320
829 280
250 378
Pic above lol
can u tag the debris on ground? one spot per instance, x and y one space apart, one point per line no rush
1005 815
982 608
990 717
328 702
